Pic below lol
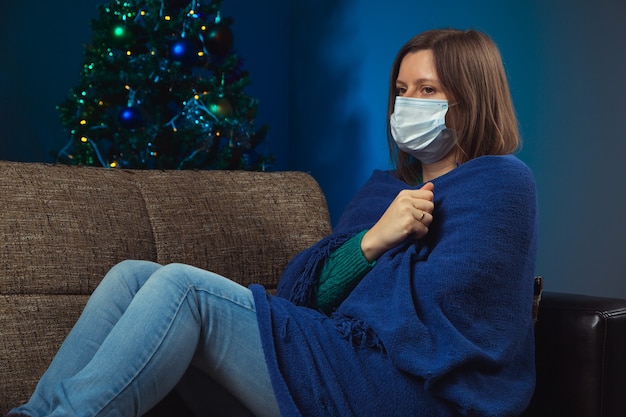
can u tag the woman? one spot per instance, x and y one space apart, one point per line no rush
419 303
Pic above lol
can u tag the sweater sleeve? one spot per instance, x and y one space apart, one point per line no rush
341 272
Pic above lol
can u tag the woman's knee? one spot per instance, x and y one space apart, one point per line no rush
131 274
121 283
188 276
180 274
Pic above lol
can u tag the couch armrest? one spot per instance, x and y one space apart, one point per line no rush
581 357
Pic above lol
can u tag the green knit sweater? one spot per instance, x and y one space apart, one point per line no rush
341 272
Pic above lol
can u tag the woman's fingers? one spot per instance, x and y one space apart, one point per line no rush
409 214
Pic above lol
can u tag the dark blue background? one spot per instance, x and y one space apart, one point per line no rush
320 69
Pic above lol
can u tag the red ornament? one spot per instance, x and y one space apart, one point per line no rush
218 39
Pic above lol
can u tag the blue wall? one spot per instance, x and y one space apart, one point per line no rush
566 62
320 69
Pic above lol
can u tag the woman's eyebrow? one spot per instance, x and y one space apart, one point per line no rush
426 81
419 81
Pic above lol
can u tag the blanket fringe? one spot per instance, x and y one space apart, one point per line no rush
306 281
358 333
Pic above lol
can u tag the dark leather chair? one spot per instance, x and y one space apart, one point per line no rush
580 357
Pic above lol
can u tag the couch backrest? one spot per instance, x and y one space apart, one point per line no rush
63 227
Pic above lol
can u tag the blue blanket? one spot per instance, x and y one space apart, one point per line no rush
441 326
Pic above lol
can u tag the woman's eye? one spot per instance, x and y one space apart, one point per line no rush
428 90
400 91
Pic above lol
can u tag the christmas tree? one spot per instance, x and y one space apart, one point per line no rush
162 88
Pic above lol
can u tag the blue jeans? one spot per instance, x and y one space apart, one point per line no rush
143 329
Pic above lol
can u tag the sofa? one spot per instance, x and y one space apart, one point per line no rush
62 227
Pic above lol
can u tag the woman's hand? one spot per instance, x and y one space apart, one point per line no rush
409 214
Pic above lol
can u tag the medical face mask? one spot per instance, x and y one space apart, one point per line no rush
419 128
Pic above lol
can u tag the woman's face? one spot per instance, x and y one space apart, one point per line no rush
417 77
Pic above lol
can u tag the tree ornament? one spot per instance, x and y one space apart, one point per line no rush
130 118
222 108
218 39
184 50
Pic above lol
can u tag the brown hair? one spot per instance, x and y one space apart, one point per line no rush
471 72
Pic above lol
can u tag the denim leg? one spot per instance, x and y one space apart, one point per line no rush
230 350
205 397
104 308
181 314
